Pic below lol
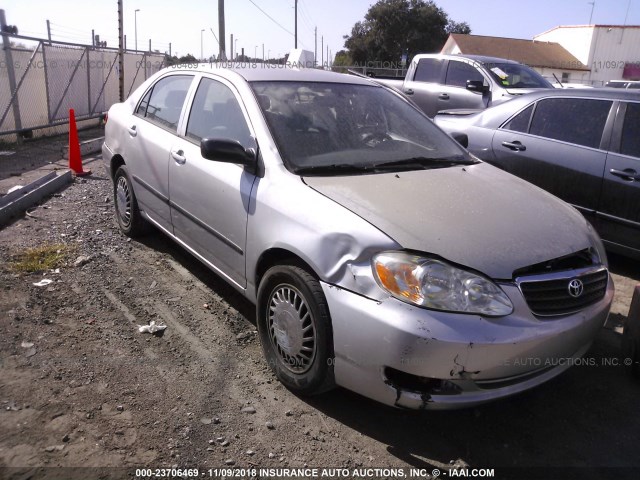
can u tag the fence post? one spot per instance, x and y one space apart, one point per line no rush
46 78
11 74
89 50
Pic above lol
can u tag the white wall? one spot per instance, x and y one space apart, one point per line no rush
612 48
604 50
576 40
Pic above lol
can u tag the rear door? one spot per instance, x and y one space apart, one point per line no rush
151 132
557 144
619 210
423 88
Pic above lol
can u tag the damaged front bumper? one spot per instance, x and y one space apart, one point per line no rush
410 357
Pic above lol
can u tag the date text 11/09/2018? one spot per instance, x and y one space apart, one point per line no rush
328 473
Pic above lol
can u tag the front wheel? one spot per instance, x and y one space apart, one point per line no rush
295 329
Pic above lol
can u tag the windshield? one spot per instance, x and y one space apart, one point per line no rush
343 129
515 75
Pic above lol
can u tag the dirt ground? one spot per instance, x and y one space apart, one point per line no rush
81 387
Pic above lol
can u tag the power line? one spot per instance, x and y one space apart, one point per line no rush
271 18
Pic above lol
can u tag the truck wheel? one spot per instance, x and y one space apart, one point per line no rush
295 329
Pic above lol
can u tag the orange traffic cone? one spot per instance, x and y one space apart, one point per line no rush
75 161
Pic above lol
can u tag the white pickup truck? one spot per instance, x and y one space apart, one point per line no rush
438 82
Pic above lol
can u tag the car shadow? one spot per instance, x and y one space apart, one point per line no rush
159 242
586 417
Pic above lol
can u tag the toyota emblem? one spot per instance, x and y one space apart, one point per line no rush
576 287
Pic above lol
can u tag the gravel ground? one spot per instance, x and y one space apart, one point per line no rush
81 387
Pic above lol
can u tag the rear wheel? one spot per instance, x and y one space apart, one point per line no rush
128 215
295 329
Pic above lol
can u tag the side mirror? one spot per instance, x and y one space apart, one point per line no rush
224 150
461 138
477 86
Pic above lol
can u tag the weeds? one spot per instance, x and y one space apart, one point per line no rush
40 259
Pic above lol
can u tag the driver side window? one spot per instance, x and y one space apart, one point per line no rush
216 113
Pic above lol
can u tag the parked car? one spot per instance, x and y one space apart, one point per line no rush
381 256
581 145
440 82
626 84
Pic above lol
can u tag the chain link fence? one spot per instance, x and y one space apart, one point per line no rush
38 86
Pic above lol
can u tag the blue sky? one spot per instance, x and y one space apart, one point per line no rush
181 22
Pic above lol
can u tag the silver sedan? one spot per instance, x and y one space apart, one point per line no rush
381 255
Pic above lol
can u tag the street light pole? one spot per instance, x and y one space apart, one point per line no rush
201 45
135 22
235 48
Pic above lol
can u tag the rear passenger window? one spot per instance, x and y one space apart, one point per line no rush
428 70
216 113
520 123
574 120
163 104
459 72
630 144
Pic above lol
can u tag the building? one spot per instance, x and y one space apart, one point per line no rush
584 54
611 52
550 59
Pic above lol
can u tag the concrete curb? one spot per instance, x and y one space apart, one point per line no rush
87 147
19 201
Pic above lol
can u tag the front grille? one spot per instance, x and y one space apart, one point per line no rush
552 297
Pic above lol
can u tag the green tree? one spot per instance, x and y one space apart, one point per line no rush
393 27
342 58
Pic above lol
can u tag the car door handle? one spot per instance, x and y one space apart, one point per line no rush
179 157
626 174
516 146
132 130
443 96
408 91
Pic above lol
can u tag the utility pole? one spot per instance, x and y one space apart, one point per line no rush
121 51
263 53
593 5
49 31
135 26
322 49
315 48
222 56
201 46
231 47
296 30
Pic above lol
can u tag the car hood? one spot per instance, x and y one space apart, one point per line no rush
477 216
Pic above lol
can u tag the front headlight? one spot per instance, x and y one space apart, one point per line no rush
432 283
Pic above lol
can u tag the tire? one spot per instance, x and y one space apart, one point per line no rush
295 329
128 215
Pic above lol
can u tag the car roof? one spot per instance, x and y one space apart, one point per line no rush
476 58
603 93
256 72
